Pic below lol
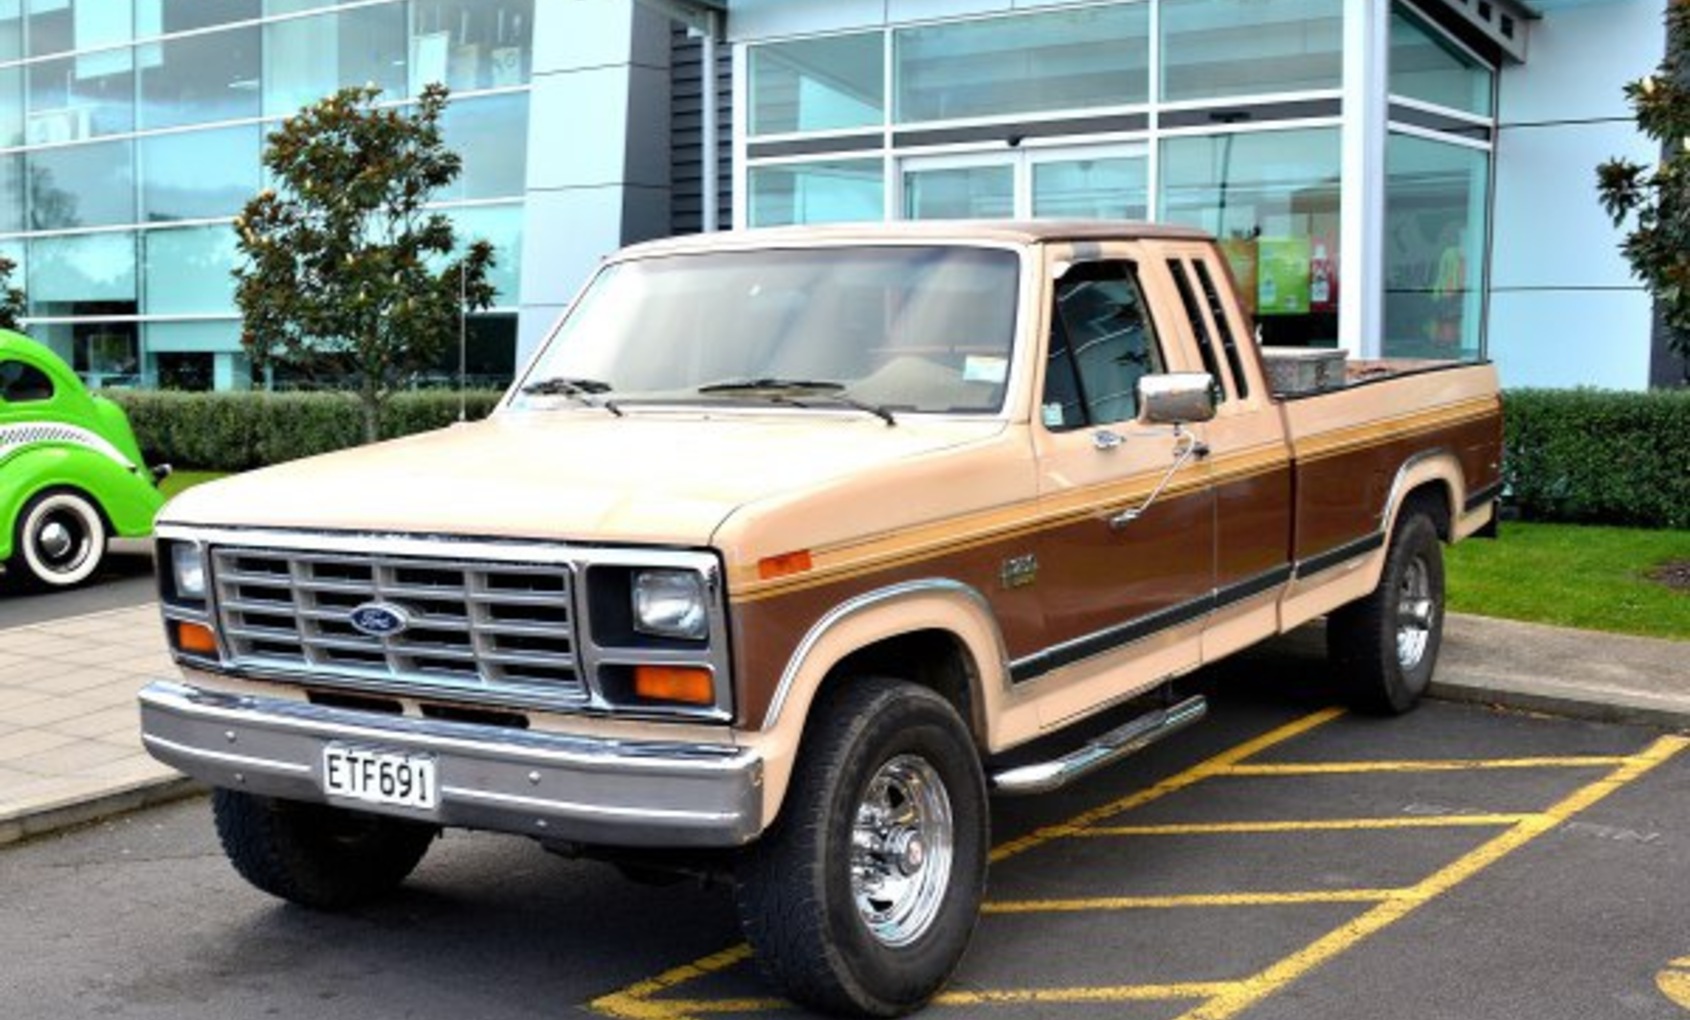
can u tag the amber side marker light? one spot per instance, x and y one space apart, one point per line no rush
771 567
191 637
688 684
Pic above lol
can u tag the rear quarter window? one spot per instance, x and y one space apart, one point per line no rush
22 383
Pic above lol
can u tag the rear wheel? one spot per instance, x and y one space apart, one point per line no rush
1386 644
60 539
317 856
863 896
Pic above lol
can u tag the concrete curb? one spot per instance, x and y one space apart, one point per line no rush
33 820
1549 698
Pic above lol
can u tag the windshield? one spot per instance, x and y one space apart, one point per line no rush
896 328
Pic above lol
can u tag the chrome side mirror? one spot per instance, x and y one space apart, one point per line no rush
1176 398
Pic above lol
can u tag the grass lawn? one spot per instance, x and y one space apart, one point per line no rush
1573 576
180 480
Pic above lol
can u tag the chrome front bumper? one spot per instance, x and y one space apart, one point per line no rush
554 786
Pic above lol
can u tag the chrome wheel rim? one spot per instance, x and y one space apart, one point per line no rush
901 848
1415 613
62 542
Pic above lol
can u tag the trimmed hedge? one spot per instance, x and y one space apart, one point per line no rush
240 431
1599 456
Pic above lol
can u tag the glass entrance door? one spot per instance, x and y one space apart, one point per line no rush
1091 182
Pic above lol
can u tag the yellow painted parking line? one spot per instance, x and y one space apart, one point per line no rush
1106 993
1220 764
635 1002
1310 825
1250 991
1255 899
1347 768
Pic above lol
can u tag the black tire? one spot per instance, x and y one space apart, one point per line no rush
889 742
60 539
1385 646
317 856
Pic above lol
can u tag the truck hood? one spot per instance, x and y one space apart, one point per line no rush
650 477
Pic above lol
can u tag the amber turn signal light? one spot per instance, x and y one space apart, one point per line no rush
688 684
196 639
771 567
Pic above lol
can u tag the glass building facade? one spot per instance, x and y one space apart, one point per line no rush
1228 115
131 133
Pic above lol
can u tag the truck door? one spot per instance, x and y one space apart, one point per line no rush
1124 595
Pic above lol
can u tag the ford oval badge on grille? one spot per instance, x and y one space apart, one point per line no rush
379 619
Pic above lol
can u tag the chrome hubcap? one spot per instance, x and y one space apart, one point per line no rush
1414 614
901 844
55 540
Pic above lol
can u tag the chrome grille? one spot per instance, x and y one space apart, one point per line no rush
489 630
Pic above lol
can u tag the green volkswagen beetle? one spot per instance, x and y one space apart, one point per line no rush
71 474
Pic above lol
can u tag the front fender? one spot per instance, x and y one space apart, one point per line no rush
128 499
924 605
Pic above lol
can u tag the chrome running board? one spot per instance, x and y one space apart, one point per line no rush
1110 747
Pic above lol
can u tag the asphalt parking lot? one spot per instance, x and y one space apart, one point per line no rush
1284 859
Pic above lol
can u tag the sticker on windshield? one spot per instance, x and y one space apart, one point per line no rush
981 368
1052 415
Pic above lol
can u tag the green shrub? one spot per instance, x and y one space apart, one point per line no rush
240 431
1599 457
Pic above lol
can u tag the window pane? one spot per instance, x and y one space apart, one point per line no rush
1434 247
200 78
58 26
491 134
962 193
1271 197
308 58
1096 56
1214 48
502 225
11 194
1113 189
199 174
11 107
23 384
162 17
11 30
186 271
1426 66
90 274
489 355
73 98
472 44
1100 317
818 84
82 186
827 192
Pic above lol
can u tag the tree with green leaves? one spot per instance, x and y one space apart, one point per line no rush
1658 246
12 301
344 269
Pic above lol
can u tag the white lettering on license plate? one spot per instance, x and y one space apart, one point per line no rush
379 777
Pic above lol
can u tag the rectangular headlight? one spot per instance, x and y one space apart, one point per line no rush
671 603
187 571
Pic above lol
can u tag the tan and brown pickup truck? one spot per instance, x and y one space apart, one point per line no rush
779 545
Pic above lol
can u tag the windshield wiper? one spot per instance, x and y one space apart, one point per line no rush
780 391
582 390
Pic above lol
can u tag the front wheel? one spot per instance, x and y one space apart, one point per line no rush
863 896
1385 645
60 539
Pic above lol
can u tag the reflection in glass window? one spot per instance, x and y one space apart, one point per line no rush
11 31
11 106
1271 197
162 17
1102 343
502 225
1093 56
960 193
186 271
1102 188
11 194
73 98
491 134
199 174
306 59
831 191
1435 215
1428 67
86 274
471 44
198 79
82 186
1213 48
57 26
818 84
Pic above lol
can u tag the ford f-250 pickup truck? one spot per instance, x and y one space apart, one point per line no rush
780 542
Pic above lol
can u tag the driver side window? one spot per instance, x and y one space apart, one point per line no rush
1102 341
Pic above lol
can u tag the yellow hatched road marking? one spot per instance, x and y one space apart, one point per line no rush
1244 994
1311 825
1256 899
1346 768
